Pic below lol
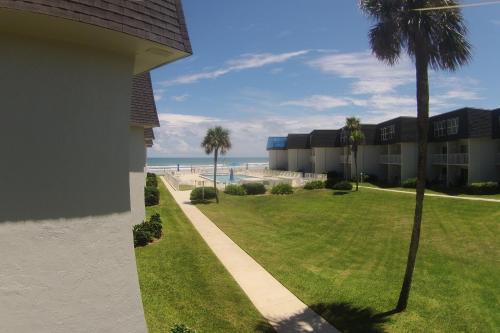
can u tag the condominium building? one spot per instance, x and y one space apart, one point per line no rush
278 154
73 158
299 152
464 147
461 147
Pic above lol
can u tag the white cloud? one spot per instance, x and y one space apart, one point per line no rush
370 76
180 98
319 102
246 61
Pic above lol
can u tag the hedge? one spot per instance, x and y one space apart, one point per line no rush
315 184
146 231
282 188
202 194
343 186
234 189
483 188
254 188
410 183
151 196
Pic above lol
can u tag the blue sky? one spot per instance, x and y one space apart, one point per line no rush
265 68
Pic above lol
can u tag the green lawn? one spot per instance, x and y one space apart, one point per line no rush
445 191
183 282
345 255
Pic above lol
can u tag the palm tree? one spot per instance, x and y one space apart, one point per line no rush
431 38
216 141
355 138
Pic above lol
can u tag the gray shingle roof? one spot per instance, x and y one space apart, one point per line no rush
143 108
298 141
160 21
324 138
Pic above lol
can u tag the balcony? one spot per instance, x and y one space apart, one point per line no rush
390 159
439 159
458 159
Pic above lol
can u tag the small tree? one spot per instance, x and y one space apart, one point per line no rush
356 138
216 141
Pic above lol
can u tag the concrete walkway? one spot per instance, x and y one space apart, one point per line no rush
431 194
284 311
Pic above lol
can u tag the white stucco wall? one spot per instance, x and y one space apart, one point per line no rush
137 180
299 160
278 159
409 160
68 262
326 159
482 160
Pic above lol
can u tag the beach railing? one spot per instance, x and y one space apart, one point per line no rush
172 180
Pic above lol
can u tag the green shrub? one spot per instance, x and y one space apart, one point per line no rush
315 184
181 328
142 236
410 183
202 193
254 188
151 196
233 189
154 226
483 188
150 175
369 178
343 186
330 182
282 188
151 181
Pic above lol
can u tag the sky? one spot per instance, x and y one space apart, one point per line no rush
268 68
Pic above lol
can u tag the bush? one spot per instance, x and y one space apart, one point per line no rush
154 226
233 189
151 196
410 183
282 188
151 182
181 328
343 186
368 178
315 184
142 236
202 193
483 188
332 178
254 188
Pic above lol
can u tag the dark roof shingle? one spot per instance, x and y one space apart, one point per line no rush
143 108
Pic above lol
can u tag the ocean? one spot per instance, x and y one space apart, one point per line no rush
188 162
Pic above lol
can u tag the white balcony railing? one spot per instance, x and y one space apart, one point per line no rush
458 159
390 159
439 159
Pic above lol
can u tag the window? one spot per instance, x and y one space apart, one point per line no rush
439 128
452 126
387 133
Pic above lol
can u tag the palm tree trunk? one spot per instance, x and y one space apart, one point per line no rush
355 153
216 153
421 64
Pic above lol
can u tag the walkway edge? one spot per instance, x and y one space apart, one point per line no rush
284 311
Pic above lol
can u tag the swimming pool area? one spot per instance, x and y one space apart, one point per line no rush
224 178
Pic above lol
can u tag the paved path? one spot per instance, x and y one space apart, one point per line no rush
432 194
284 311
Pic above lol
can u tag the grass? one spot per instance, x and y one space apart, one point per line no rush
455 192
344 255
183 282
185 187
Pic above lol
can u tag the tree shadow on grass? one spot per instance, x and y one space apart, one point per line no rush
344 316
340 193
